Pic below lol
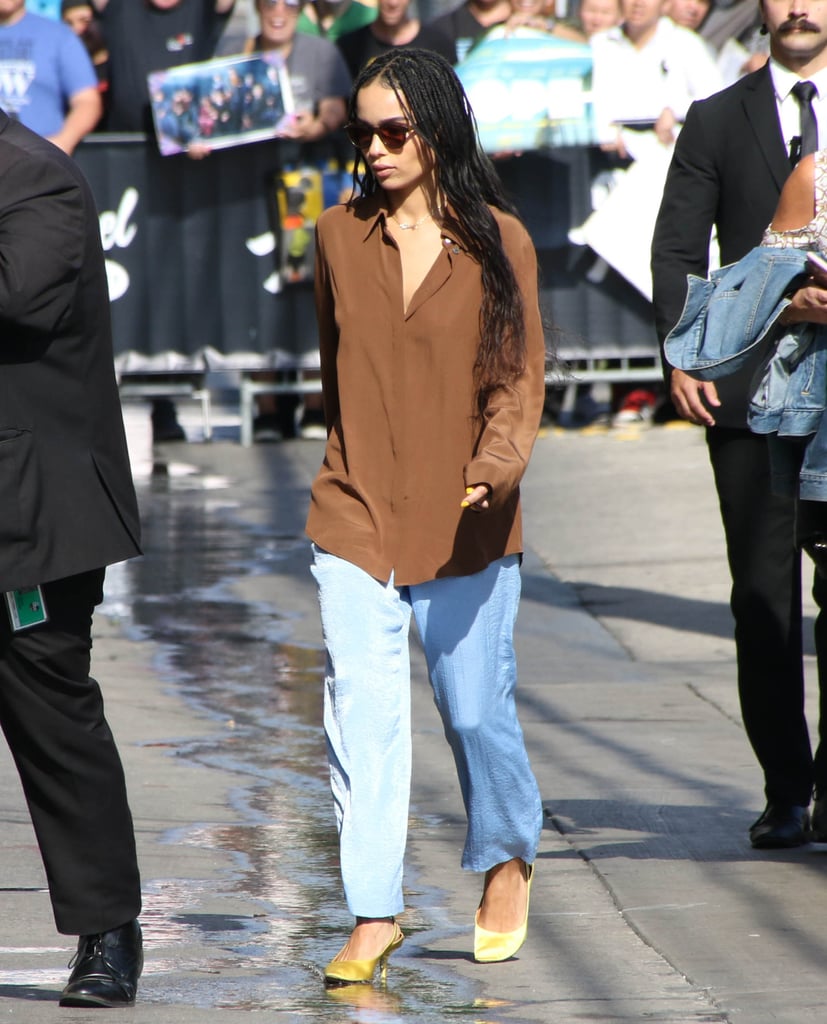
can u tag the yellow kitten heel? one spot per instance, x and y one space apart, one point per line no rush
492 947
352 972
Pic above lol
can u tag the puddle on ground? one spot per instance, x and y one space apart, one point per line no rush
233 661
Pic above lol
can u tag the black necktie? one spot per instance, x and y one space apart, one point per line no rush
804 93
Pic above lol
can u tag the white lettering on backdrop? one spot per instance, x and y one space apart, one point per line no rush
117 233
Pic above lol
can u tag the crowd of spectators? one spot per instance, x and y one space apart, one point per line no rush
652 58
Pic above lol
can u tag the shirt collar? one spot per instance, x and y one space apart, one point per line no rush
372 211
783 80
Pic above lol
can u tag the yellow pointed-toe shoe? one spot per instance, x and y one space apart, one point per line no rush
351 972
492 947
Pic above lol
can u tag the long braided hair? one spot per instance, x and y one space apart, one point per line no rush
434 101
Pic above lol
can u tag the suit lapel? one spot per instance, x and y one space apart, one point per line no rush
761 112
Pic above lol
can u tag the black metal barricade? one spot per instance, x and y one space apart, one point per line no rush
190 266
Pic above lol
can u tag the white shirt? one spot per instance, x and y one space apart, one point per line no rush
789 111
629 84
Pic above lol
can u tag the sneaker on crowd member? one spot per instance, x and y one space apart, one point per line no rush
637 407
312 426
266 429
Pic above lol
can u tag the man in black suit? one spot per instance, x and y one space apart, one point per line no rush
68 510
731 159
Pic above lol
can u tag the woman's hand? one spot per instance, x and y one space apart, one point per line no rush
476 498
809 304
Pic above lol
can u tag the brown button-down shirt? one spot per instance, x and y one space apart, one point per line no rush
400 400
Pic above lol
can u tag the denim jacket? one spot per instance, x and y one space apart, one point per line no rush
725 319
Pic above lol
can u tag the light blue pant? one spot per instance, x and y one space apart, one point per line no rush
466 626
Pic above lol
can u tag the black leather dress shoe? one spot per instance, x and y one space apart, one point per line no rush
818 823
106 968
780 827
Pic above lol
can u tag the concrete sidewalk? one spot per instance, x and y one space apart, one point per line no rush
648 902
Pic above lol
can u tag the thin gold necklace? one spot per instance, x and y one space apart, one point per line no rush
416 224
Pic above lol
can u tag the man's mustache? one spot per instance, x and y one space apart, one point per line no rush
798 25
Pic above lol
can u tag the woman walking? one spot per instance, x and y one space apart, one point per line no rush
432 359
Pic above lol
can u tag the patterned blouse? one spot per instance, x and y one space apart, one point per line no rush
814 234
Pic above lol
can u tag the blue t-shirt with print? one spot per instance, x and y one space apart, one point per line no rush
42 65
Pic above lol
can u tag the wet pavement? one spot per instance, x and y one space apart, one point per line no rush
648 902
231 658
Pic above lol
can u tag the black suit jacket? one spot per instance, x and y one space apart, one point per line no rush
728 169
67 503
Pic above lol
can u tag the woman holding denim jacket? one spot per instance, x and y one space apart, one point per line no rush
432 357
800 222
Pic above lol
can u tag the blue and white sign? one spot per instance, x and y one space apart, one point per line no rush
529 90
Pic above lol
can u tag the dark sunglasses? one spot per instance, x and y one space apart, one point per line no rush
392 134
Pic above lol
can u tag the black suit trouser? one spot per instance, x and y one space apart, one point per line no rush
51 712
765 565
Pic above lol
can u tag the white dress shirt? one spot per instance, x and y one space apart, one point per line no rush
789 110
631 84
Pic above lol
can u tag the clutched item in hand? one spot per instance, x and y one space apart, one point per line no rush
817 264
